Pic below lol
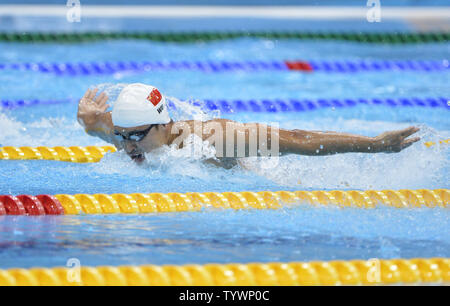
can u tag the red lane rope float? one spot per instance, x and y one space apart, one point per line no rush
52 206
30 205
12 205
299 65
33 206
2 209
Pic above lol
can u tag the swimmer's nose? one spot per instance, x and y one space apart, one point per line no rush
130 147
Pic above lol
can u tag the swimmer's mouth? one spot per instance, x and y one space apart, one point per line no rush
139 158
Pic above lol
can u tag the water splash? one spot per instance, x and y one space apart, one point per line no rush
167 160
112 90
190 109
51 131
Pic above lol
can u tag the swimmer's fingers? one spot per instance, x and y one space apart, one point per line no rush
86 94
406 143
409 142
102 98
409 131
104 108
99 99
92 94
101 102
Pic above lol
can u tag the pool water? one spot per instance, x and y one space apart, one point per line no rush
291 234
300 234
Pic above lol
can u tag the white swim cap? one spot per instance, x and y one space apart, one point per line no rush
139 104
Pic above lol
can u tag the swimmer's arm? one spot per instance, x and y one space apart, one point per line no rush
322 143
327 143
93 117
293 141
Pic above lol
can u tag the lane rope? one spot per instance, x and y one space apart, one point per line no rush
352 272
76 154
328 66
192 37
269 105
432 143
79 154
138 203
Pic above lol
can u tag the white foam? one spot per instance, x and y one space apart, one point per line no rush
186 110
52 131
11 129
187 161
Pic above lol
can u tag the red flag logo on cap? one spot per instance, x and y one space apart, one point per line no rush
154 97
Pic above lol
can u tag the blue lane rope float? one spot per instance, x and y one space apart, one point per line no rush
302 105
336 66
12 104
270 105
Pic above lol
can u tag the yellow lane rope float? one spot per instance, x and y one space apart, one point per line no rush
79 154
76 154
354 272
432 143
195 201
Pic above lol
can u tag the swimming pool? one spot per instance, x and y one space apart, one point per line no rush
299 233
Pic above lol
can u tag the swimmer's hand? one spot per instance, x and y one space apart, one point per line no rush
90 108
395 141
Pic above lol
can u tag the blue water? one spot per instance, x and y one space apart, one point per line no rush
303 233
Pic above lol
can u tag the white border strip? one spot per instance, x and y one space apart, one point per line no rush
303 12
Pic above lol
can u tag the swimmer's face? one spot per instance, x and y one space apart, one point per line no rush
138 140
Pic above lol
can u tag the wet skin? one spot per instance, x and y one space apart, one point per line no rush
92 115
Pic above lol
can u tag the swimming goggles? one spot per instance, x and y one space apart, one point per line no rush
134 136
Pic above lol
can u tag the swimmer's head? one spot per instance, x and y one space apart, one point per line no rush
139 104
139 115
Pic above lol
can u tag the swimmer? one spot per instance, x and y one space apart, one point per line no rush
140 123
